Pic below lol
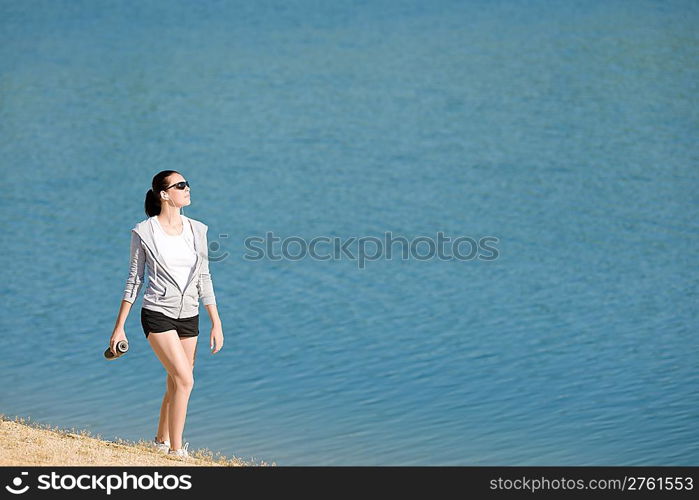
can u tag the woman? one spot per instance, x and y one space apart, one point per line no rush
174 249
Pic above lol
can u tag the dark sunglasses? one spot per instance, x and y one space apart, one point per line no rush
179 185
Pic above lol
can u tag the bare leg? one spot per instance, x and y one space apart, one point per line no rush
175 356
163 429
163 434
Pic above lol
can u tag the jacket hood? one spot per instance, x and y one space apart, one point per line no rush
145 230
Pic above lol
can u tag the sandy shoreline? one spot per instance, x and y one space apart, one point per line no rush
28 443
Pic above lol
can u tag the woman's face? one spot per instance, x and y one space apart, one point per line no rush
177 197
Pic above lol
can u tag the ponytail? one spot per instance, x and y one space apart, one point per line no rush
152 203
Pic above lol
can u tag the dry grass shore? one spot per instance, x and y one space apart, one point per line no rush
28 443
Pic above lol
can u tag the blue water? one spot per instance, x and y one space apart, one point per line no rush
566 130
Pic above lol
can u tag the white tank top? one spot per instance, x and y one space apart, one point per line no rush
176 251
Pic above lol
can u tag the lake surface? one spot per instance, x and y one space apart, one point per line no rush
566 131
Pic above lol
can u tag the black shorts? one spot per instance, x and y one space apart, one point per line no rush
154 321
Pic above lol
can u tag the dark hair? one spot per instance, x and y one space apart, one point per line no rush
152 204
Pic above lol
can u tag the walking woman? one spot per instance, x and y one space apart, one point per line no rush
174 250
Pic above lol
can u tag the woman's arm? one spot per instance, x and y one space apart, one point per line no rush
134 282
118 334
206 294
204 285
123 314
213 314
136 269
216 337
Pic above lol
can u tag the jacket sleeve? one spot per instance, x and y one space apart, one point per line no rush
136 268
204 285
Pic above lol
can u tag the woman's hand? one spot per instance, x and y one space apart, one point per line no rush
216 338
117 336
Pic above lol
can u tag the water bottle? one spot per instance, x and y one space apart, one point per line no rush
121 348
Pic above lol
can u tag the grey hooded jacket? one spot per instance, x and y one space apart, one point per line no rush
163 293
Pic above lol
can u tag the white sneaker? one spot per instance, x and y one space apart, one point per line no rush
182 452
163 447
